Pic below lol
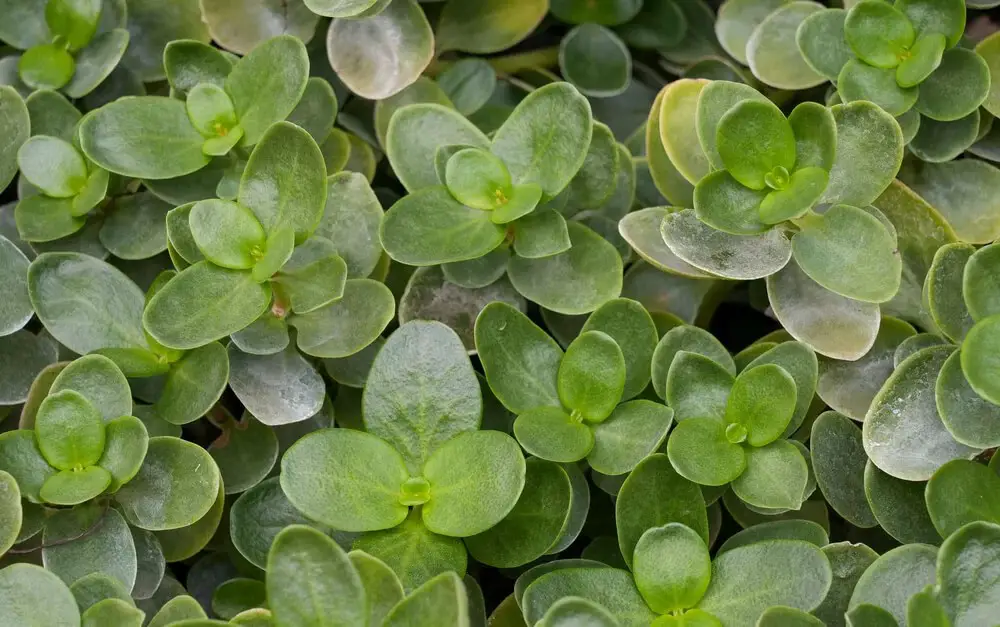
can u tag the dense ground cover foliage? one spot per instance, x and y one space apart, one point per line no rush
456 313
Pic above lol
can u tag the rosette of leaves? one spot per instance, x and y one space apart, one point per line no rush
311 580
230 105
65 187
956 412
569 406
421 473
786 199
673 580
732 429
68 45
484 207
71 293
79 444
261 254
900 56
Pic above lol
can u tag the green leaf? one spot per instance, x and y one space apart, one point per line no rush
30 594
962 191
965 589
15 310
629 324
395 44
725 204
75 21
236 595
52 114
831 324
595 61
266 85
536 523
776 476
682 584
611 588
520 360
679 130
964 76
748 580
895 577
279 388
850 252
312 580
633 431
771 57
475 480
697 387
44 219
962 492
72 487
753 138
699 450
47 66
545 140
256 518
439 601
188 62
194 384
348 479
11 515
346 326
486 26
980 290
738 257
878 33
245 453
576 281
838 461
925 57
944 287
144 137
135 228
714 101
52 165
313 276
820 39
540 234
70 431
416 132
89 539
383 589
550 433
592 376
176 609
15 125
284 183
899 507
227 234
869 153
762 400
211 111
942 141
968 416
125 448
429 227
202 304
903 434
421 391
176 486
351 221
72 294
23 461
469 82
413 552
693 340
